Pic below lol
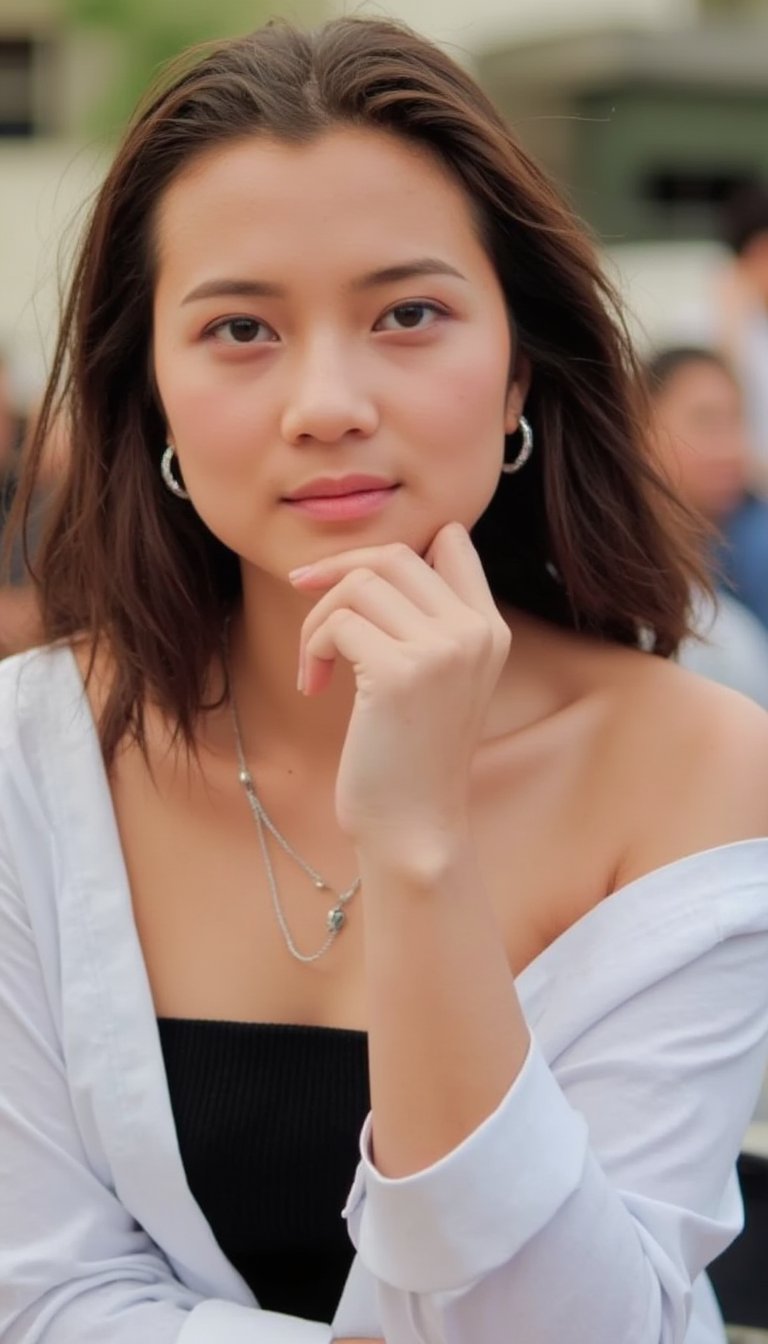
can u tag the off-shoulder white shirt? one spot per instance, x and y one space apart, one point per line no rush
581 1211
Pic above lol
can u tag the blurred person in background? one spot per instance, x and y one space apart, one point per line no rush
743 555
732 314
741 332
701 436
741 310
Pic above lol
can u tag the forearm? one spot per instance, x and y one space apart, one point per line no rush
447 1036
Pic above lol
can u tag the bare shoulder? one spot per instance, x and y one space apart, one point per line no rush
697 712
694 758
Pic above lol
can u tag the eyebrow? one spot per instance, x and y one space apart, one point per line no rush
265 289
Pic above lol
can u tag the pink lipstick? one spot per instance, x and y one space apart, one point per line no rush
342 498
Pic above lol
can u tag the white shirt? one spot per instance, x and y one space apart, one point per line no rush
582 1210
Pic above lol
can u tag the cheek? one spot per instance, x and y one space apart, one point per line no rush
217 425
218 433
459 417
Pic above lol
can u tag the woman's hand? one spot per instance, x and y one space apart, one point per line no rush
426 644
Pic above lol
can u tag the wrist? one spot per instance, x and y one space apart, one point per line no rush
415 858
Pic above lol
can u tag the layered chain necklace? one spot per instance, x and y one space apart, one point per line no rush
336 917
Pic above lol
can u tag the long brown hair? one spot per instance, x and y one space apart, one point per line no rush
586 535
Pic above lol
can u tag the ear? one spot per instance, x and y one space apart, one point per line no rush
517 393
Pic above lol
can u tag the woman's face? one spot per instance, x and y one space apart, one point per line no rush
326 312
701 436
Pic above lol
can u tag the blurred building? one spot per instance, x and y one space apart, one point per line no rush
649 131
50 73
69 72
646 111
474 25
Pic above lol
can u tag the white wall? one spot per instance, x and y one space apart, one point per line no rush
43 190
666 289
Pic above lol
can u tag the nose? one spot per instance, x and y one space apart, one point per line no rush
327 398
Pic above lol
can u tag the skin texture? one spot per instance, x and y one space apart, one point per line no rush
489 777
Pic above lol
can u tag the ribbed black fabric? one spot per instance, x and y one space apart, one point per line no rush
268 1118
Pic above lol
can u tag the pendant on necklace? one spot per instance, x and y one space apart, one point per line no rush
336 919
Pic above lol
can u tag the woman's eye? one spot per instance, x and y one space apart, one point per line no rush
408 316
240 331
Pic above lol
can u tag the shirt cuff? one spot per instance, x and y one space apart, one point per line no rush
442 1228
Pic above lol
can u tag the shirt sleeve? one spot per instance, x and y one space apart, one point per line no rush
587 1204
74 1266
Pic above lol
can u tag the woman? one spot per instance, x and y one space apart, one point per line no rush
700 436
367 792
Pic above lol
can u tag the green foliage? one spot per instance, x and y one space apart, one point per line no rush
196 18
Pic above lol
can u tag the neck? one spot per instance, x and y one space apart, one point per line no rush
276 719
285 730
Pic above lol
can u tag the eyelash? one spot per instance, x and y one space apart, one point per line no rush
428 305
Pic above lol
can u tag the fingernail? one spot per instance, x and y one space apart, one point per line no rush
300 572
300 677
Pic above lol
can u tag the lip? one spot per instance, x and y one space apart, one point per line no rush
325 487
343 507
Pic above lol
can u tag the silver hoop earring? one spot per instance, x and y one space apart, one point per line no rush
525 451
166 470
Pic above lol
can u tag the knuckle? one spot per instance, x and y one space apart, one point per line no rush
310 624
341 617
399 550
502 638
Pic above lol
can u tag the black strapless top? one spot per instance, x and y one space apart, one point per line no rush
268 1119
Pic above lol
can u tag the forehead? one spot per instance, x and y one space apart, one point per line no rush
347 191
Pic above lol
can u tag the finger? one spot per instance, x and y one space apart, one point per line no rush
371 596
397 563
346 634
454 557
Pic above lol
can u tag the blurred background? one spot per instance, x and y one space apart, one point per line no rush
649 112
651 115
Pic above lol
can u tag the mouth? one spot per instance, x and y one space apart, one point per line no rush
347 497
340 508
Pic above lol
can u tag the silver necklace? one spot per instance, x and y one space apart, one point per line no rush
337 915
